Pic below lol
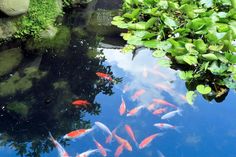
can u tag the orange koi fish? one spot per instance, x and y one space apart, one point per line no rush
109 137
100 148
62 152
119 150
104 76
135 110
163 102
122 107
148 140
80 102
131 133
77 133
165 87
159 111
123 141
151 106
137 94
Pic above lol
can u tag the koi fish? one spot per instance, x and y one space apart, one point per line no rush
137 94
80 102
159 111
123 141
166 126
145 72
126 88
119 150
151 106
101 149
172 114
160 154
109 137
148 140
122 107
165 87
104 76
131 133
62 152
103 127
135 110
77 133
163 102
87 153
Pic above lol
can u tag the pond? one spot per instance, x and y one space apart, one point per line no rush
36 97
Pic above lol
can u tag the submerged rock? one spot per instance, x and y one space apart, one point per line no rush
14 7
17 83
19 107
7 28
9 60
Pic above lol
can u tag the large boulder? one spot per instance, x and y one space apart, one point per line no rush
7 28
9 60
14 7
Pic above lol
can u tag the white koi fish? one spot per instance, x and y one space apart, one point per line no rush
166 126
87 153
172 114
103 127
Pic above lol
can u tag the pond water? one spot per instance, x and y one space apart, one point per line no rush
36 98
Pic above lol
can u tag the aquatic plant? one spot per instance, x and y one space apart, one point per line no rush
198 38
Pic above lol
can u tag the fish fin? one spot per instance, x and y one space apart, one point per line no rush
180 112
50 136
160 154
178 128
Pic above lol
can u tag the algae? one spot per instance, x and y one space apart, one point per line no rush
19 107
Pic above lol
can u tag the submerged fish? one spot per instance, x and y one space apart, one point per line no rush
131 133
87 153
80 102
163 102
77 133
101 149
137 94
119 150
172 114
148 140
103 127
122 107
62 152
166 126
160 154
109 137
123 141
159 111
104 76
135 110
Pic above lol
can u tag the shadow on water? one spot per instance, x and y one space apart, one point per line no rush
36 98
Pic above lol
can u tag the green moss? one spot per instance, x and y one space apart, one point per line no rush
41 14
16 83
19 107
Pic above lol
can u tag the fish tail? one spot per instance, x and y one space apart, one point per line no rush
180 112
51 138
178 128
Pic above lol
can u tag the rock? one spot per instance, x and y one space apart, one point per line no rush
14 7
100 23
50 32
18 83
9 60
7 28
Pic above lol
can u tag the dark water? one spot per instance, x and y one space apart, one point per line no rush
59 76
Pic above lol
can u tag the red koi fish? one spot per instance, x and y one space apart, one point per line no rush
135 110
163 102
148 140
62 152
101 149
123 141
122 107
131 133
77 133
137 94
119 150
104 76
80 102
159 111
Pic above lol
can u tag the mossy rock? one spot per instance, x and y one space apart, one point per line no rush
59 42
19 84
14 7
9 60
19 107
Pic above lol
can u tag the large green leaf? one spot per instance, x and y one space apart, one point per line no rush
203 89
190 96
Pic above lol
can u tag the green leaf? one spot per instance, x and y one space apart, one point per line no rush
170 22
207 3
230 57
203 89
191 60
186 75
164 63
210 56
200 45
134 40
190 96
128 48
158 53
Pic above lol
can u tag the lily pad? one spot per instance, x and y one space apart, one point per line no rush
203 89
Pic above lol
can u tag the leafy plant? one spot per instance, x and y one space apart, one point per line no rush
196 35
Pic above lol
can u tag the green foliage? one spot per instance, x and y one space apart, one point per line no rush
41 14
198 35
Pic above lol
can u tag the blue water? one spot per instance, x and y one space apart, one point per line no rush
207 129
